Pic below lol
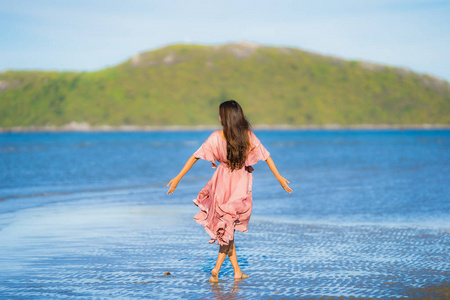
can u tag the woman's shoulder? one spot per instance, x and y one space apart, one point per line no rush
214 137
253 139
215 133
220 134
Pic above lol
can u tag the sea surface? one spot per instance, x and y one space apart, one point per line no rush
86 214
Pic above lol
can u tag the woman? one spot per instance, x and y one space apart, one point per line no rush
226 200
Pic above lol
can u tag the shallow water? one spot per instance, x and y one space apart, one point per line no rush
85 214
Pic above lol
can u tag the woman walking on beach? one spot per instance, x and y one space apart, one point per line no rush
226 200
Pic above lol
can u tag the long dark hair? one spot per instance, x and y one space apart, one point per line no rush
235 129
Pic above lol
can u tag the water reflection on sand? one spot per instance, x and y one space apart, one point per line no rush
120 246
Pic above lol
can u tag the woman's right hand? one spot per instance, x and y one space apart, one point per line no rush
283 181
173 185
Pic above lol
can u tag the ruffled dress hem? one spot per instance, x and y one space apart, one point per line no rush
225 228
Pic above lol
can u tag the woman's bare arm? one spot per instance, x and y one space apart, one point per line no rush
283 181
174 182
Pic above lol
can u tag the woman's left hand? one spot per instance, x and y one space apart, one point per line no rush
283 181
173 185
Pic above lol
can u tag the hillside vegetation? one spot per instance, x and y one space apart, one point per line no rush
183 85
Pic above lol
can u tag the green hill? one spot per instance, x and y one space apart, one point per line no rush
183 85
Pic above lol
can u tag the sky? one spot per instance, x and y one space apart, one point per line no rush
86 35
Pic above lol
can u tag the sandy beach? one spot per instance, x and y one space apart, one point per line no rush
117 245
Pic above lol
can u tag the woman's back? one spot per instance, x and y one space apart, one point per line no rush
215 148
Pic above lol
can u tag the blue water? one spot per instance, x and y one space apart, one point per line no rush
87 215
389 177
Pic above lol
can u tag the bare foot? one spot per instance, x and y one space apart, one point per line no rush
240 275
215 276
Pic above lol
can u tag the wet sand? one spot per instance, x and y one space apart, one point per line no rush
116 244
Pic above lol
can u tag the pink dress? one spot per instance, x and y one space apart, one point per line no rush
226 200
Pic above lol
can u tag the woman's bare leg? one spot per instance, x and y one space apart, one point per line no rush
223 251
233 259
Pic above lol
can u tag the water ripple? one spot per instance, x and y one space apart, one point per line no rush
75 249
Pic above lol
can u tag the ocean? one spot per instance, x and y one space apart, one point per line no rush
86 214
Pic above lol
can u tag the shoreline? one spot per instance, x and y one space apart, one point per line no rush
85 127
